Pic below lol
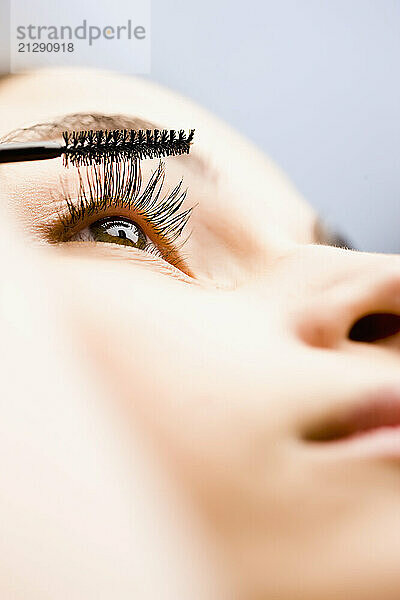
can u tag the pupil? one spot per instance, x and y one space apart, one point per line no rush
122 234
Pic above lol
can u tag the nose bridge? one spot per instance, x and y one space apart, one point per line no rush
322 290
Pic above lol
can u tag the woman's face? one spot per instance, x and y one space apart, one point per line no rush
228 343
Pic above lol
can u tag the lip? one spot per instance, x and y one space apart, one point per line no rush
378 443
371 427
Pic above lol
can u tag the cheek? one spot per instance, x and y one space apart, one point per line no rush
190 367
196 374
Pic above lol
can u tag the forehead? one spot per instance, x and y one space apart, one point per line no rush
245 174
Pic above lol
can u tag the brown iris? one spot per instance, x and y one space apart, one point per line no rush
118 230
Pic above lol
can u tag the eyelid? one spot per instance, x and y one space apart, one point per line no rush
114 252
324 235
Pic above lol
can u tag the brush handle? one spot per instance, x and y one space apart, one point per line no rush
22 151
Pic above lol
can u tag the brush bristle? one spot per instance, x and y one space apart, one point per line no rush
94 147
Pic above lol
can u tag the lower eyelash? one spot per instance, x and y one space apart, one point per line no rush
119 185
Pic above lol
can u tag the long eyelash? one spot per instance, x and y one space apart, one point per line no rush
107 185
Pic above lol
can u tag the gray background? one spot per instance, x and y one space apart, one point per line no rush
315 83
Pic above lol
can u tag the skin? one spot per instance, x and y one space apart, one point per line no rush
182 395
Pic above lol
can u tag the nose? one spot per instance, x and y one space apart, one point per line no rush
347 296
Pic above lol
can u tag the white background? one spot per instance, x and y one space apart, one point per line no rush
314 82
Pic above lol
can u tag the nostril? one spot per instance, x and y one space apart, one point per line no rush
374 327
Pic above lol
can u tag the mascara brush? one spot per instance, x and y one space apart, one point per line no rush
94 147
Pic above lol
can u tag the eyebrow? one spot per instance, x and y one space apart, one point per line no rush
52 130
